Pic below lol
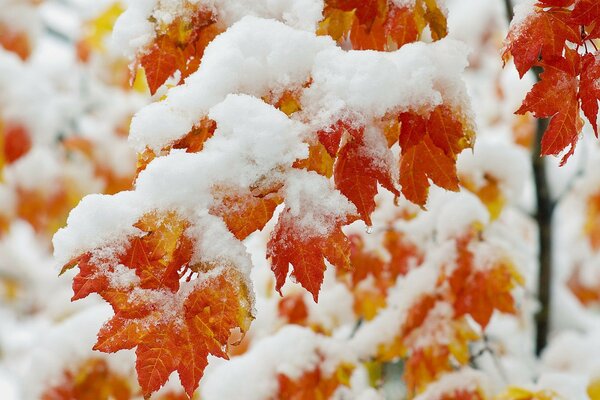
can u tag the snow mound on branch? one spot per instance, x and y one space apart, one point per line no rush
352 84
133 30
254 142
463 380
253 376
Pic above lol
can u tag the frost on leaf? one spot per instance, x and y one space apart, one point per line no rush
543 34
172 320
359 167
245 213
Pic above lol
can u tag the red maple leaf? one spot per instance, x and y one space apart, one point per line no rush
357 171
589 91
543 34
556 96
430 145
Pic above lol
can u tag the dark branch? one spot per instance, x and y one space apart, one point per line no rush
509 10
543 217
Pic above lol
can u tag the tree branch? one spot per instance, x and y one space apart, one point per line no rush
509 10
543 217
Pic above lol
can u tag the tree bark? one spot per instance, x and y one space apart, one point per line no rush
543 218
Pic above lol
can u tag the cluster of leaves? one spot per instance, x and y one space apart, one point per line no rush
207 302
465 290
558 37
174 325
381 24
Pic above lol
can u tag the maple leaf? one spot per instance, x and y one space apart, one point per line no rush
245 213
591 227
305 251
179 46
319 160
543 34
401 26
586 12
380 24
478 292
173 325
15 41
428 12
589 91
358 169
588 295
424 366
423 162
293 308
556 96
429 147
160 62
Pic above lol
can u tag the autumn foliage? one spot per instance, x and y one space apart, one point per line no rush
176 306
558 37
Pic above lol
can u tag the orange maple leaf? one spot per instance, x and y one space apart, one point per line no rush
179 46
589 91
306 251
173 325
17 142
478 292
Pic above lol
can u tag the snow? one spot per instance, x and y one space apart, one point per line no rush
466 379
98 221
386 325
133 30
315 204
253 376
352 85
